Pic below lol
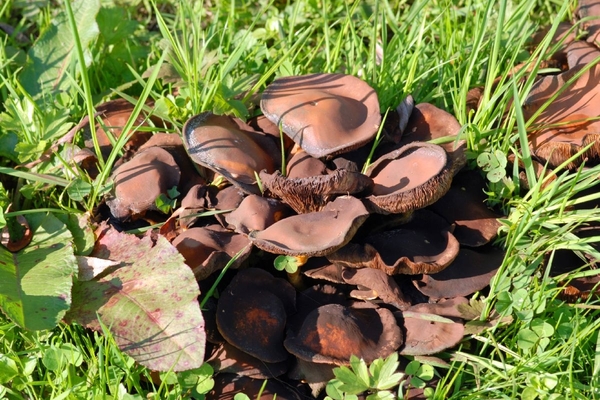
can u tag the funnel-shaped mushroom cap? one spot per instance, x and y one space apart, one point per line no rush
316 233
409 178
332 333
429 122
470 272
141 180
312 193
570 122
428 334
422 246
218 143
325 114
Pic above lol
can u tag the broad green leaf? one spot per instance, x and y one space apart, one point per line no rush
333 389
287 263
149 304
351 383
542 328
389 382
36 282
526 339
412 368
53 53
57 358
359 366
381 395
425 372
8 369
83 235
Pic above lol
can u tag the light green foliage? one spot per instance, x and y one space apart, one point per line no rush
288 263
36 282
377 379
167 202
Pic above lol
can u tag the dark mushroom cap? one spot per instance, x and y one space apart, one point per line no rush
228 385
254 321
422 246
313 193
380 283
316 233
326 114
208 249
409 178
471 271
217 142
229 359
141 180
332 333
428 334
256 213
464 206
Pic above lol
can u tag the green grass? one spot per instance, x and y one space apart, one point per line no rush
219 58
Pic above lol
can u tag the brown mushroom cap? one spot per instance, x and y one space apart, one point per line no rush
229 359
316 233
141 180
256 213
326 114
409 178
470 272
464 206
254 321
428 334
217 142
570 122
332 333
422 246
209 249
380 283
590 8
429 122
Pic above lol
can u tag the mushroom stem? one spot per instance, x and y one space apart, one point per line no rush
295 277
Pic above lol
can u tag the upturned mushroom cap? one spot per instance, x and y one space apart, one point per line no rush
428 122
326 114
316 233
428 334
470 272
422 246
380 283
570 122
313 193
409 178
332 333
218 143
141 180
209 249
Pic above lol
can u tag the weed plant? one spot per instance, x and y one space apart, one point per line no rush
190 56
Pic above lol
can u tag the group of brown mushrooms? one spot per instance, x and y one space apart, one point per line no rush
389 231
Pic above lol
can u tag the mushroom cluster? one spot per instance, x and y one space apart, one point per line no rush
390 233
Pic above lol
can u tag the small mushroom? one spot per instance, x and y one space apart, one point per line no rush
218 143
332 333
326 114
409 178
209 249
381 284
256 213
141 180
